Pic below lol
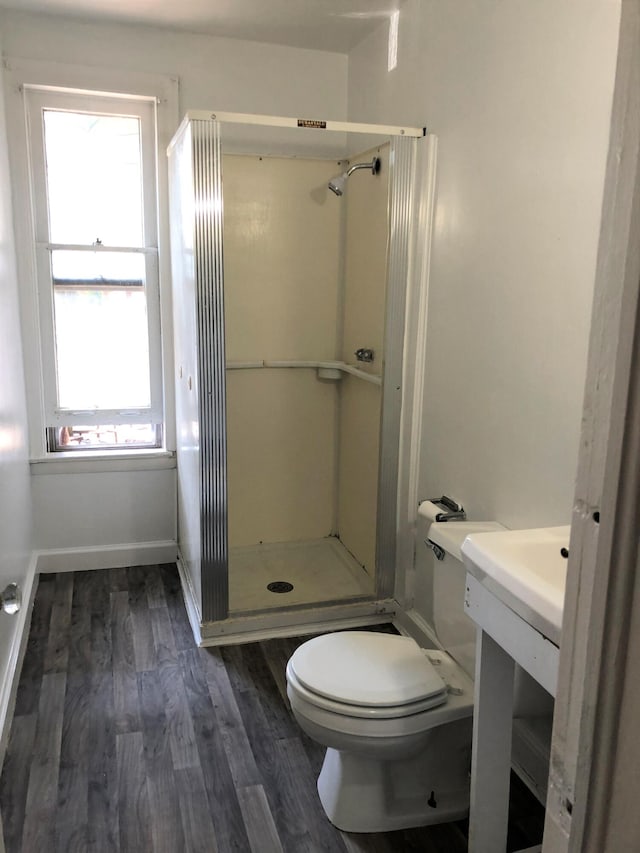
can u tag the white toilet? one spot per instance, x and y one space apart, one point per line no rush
396 719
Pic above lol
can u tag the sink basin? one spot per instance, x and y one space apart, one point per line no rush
525 570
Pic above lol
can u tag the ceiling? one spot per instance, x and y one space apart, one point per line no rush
334 25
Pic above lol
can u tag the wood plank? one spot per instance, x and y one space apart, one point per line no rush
197 825
179 722
100 591
163 640
57 652
221 792
294 826
133 803
303 808
102 796
164 804
80 624
126 701
43 601
143 642
248 668
125 684
101 647
277 654
276 708
180 732
142 633
261 827
155 588
83 585
237 667
195 684
14 782
28 694
43 779
118 581
121 630
72 812
136 586
228 717
175 604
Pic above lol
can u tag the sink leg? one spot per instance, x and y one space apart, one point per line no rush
491 753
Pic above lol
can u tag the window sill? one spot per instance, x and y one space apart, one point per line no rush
100 461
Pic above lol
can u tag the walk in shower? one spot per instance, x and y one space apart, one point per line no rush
290 246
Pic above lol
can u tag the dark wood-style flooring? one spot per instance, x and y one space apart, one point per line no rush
127 737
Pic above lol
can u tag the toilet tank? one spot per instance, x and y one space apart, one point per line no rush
454 630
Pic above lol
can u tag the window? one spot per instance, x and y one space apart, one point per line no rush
93 168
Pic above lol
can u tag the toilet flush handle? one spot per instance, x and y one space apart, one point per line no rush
437 549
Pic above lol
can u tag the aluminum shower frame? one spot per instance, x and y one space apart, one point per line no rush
208 250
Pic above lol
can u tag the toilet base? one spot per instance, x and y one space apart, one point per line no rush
360 794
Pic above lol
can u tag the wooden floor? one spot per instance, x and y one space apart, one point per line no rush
126 737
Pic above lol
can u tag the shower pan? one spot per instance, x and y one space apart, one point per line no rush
288 438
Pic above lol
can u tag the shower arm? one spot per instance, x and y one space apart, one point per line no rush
374 165
336 185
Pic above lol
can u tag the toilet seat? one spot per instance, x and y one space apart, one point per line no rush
367 675
367 712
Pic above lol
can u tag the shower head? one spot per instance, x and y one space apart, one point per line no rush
336 185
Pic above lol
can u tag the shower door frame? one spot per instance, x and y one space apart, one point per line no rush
404 199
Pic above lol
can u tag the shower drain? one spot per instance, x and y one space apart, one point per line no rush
280 586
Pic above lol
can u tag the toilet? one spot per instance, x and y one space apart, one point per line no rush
396 719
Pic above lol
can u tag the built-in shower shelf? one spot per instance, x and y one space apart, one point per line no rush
339 366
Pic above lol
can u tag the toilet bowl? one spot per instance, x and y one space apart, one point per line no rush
396 719
398 733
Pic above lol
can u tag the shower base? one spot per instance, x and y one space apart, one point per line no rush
320 570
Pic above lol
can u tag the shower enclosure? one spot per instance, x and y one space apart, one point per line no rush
291 247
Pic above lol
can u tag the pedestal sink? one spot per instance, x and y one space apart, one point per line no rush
515 595
526 569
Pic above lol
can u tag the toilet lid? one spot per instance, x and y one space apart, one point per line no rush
364 668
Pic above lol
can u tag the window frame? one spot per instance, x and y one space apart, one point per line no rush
37 100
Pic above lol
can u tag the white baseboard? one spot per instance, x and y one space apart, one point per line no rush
9 685
193 612
107 556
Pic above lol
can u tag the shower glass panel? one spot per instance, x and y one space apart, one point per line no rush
305 325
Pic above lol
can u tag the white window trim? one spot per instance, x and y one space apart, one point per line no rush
36 101
163 91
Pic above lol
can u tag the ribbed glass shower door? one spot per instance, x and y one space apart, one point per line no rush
198 306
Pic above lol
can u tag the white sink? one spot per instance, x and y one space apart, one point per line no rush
525 570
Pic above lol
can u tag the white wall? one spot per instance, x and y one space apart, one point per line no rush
79 509
215 73
519 95
15 497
